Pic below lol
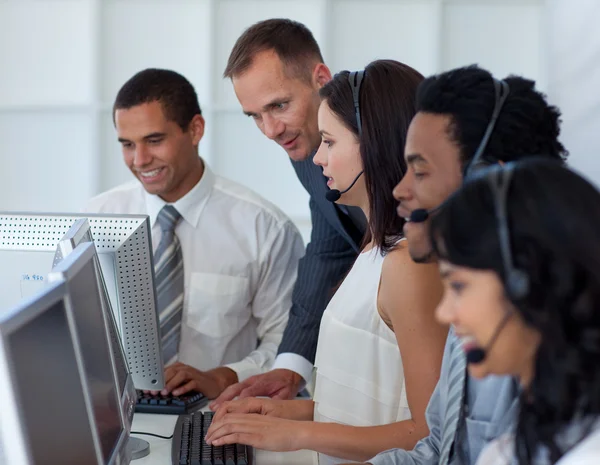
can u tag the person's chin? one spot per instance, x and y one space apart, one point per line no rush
154 189
419 249
298 150
478 370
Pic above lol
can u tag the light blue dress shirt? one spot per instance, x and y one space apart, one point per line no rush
492 407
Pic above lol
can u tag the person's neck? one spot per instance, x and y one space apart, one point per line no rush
187 184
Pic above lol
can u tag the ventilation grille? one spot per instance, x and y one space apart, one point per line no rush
43 232
140 322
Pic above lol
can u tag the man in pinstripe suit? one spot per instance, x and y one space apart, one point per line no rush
277 70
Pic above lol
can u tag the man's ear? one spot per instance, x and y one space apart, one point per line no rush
196 128
321 75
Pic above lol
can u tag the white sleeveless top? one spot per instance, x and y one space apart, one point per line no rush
359 373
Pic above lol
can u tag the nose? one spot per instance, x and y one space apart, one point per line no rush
320 158
142 156
403 190
272 127
445 311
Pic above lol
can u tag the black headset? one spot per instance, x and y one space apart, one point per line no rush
517 282
477 163
355 78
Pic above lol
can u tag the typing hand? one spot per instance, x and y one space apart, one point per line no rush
278 384
268 407
262 432
181 378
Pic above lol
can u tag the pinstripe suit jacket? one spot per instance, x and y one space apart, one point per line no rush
333 247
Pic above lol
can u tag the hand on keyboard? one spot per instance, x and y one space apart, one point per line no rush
259 431
181 378
290 409
277 384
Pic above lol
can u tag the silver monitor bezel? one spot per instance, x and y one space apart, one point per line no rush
14 437
70 266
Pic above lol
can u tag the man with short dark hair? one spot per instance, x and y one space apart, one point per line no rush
456 112
225 259
277 70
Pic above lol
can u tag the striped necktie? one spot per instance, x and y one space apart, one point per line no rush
456 384
168 268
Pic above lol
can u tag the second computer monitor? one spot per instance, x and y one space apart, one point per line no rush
28 244
78 234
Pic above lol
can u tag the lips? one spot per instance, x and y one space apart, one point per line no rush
289 143
150 176
403 213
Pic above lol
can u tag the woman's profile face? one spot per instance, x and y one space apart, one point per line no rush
339 156
476 304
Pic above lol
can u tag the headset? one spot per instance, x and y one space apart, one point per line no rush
517 280
477 163
355 79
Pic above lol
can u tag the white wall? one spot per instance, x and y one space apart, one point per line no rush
574 80
62 62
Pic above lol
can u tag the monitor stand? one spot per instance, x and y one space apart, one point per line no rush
138 448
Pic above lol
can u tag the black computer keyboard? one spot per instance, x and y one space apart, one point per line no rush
170 405
189 448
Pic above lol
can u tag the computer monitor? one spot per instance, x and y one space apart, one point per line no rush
28 243
46 399
80 233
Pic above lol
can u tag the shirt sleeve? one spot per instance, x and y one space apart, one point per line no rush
296 363
273 298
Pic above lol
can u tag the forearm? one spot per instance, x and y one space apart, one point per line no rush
301 410
360 443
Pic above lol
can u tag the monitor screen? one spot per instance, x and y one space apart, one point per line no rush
49 386
96 353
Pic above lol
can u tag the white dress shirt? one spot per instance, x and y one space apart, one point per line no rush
240 256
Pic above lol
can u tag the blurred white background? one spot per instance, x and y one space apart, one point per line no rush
62 62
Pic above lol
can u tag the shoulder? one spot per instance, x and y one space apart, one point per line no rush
398 264
120 199
245 201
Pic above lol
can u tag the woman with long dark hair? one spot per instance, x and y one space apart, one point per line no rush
519 250
380 349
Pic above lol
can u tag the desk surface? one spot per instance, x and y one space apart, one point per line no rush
160 449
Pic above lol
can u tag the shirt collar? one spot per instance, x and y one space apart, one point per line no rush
189 206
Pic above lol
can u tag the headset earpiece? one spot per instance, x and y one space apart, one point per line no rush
478 163
516 280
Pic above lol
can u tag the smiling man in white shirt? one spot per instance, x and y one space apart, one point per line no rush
226 268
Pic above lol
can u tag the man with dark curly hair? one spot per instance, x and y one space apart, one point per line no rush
465 119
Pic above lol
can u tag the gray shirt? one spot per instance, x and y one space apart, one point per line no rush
492 406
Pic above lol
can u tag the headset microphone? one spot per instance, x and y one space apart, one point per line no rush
421 215
334 195
355 79
478 354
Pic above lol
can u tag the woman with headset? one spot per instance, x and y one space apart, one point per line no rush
380 349
519 257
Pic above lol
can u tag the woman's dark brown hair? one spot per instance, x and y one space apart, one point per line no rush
387 105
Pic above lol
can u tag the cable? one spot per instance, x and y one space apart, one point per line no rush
152 434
